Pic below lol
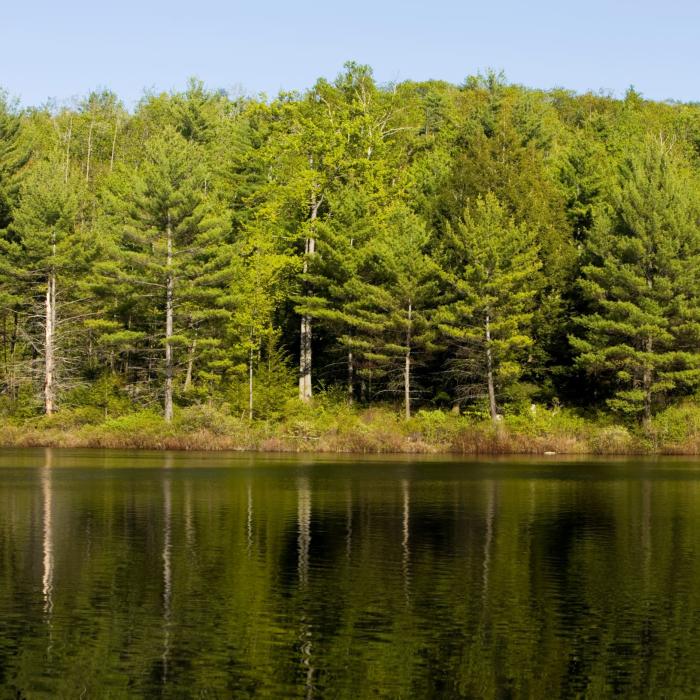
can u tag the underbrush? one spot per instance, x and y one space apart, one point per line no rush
328 425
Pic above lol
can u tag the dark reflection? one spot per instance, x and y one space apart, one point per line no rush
179 575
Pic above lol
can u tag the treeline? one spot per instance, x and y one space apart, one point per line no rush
480 247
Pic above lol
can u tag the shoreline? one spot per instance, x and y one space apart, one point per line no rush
483 442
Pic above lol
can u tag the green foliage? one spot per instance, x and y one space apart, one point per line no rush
140 422
478 248
642 330
208 418
491 273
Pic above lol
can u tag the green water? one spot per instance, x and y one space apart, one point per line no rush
179 575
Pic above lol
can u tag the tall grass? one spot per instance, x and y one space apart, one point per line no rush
337 427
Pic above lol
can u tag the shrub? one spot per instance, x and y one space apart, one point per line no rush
205 417
139 422
613 439
677 428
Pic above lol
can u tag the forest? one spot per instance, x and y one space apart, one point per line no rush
480 267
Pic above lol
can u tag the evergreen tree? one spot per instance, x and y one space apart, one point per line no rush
392 298
491 271
167 227
640 336
42 259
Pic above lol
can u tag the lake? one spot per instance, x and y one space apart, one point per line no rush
149 574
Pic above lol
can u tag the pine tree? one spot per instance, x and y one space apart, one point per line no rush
491 268
42 258
391 300
168 235
639 339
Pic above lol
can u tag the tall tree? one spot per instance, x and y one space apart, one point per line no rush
641 334
491 268
391 300
43 256
165 222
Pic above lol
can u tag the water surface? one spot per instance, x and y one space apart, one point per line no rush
222 575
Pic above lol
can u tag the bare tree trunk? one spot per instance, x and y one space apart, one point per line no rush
646 381
13 345
50 342
351 372
190 364
169 289
250 383
407 365
305 391
493 409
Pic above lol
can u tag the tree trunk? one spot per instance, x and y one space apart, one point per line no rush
407 365
49 345
305 392
305 359
190 364
169 289
250 383
646 382
351 372
13 345
489 372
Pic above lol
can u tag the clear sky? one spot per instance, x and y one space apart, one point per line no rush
60 49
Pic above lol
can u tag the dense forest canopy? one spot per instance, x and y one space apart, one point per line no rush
480 247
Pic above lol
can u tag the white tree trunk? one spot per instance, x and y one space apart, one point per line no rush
50 346
190 364
169 292
305 391
407 365
493 409
647 381
250 383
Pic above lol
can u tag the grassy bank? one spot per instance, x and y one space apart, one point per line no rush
341 428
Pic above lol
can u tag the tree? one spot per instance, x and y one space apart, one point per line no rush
43 256
391 299
491 270
167 227
328 142
639 338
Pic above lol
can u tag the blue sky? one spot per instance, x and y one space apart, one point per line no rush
63 49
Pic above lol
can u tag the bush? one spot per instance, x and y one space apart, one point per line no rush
148 422
205 417
677 428
71 418
613 439
434 425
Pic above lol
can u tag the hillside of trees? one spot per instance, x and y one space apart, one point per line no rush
485 250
